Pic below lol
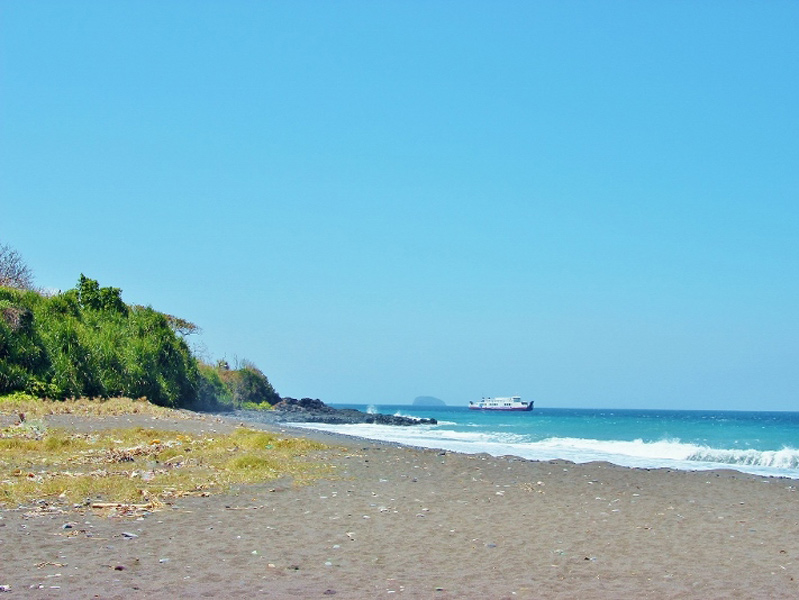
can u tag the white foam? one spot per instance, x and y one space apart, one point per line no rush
787 458
636 453
399 413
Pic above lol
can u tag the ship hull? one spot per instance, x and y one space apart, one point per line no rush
502 408
510 404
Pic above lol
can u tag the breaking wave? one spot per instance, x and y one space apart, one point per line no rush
667 453
787 458
675 450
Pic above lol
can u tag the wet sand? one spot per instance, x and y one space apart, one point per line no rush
393 521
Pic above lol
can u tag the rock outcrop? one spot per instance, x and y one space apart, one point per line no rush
310 410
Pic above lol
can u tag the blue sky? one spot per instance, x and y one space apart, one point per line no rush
592 204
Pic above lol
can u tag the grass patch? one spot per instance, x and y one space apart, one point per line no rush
256 406
32 407
137 465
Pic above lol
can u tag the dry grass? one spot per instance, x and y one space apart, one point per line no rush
32 406
138 465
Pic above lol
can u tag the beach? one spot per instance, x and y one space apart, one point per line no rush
392 521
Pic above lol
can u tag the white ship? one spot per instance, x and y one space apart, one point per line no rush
511 403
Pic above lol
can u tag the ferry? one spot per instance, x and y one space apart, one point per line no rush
511 403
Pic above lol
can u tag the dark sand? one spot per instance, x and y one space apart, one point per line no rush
404 522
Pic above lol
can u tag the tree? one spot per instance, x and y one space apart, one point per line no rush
181 326
14 273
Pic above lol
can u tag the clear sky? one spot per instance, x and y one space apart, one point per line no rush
591 204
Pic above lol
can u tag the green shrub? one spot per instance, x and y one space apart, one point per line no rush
212 393
86 342
248 385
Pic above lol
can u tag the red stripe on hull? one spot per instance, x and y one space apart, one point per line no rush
526 409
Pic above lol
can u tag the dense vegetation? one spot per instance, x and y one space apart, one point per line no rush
88 342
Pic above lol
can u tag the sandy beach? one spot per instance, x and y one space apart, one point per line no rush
393 521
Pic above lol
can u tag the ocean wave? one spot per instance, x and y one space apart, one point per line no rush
674 449
400 413
667 453
787 458
670 449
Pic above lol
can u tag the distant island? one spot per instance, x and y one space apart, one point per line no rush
428 401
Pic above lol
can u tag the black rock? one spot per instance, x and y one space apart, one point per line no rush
309 410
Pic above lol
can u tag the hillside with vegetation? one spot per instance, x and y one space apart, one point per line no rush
87 342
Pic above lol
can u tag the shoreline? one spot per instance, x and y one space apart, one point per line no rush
394 520
678 465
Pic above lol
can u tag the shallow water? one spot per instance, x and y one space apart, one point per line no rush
763 443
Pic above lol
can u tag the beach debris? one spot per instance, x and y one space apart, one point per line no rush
5 588
121 505
128 535
532 487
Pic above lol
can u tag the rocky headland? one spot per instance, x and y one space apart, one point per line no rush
310 410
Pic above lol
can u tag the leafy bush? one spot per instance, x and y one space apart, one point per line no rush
248 386
86 342
212 393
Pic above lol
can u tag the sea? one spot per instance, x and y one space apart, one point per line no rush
761 443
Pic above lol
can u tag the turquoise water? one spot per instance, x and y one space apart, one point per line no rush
764 443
